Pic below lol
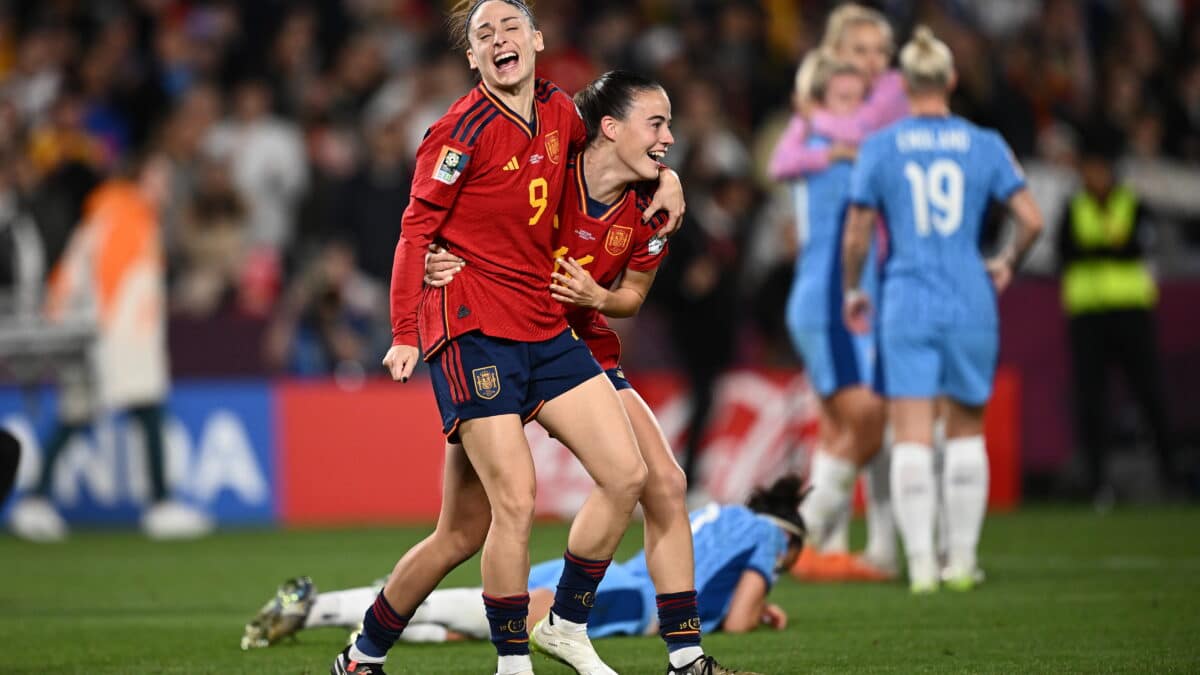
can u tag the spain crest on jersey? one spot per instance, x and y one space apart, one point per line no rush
618 239
552 146
487 382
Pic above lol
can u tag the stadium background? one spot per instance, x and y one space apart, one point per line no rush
291 126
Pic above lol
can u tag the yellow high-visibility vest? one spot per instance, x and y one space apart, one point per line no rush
1101 284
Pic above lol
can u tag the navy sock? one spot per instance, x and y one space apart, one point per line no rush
506 615
576 592
679 620
382 626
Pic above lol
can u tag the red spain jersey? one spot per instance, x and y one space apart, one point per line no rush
606 246
487 185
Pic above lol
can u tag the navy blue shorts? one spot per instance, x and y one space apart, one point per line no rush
617 377
481 376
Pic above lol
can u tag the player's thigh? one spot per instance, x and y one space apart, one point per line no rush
962 420
912 420
591 421
663 474
476 376
909 363
969 366
499 452
465 508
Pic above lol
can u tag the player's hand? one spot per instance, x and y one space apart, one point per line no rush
775 616
400 361
1001 271
441 266
669 197
843 152
856 310
575 286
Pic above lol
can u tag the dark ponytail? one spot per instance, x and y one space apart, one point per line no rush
611 95
782 501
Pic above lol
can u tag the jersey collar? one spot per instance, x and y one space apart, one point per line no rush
530 128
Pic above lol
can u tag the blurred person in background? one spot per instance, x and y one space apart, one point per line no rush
816 151
839 365
211 245
112 273
323 324
1109 296
10 459
937 324
266 158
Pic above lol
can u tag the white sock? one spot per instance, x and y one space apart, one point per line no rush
341 608
685 655
881 524
356 655
565 626
832 481
965 490
458 609
424 632
512 665
914 495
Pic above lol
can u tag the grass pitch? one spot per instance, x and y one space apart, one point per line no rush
1067 592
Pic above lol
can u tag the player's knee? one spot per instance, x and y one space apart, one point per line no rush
631 479
464 539
512 509
666 487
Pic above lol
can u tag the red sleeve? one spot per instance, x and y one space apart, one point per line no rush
421 222
650 249
442 164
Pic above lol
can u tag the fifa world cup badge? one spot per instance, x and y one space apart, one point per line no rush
449 166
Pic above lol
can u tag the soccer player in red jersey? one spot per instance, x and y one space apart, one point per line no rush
488 181
601 238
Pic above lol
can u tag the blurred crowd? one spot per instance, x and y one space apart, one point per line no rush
290 128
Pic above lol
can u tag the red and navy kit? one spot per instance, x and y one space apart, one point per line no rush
487 184
606 245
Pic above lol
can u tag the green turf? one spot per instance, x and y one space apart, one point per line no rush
1067 591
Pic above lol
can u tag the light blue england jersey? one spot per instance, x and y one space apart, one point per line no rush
727 540
820 202
932 179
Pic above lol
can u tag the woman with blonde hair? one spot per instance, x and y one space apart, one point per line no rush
815 152
932 177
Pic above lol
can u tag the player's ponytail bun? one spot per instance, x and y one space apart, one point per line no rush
610 95
458 18
781 501
926 62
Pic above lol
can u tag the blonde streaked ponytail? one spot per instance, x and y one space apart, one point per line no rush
926 61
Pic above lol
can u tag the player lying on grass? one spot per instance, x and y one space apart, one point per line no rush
739 551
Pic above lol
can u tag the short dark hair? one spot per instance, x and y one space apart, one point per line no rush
610 95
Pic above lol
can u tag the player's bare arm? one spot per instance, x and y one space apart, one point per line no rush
856 242
573 285
1004 264
748 603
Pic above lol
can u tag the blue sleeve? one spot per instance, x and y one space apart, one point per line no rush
1007 176
766 554
862 179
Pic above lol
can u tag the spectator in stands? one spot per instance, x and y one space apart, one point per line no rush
112 273
1109 296
212 245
